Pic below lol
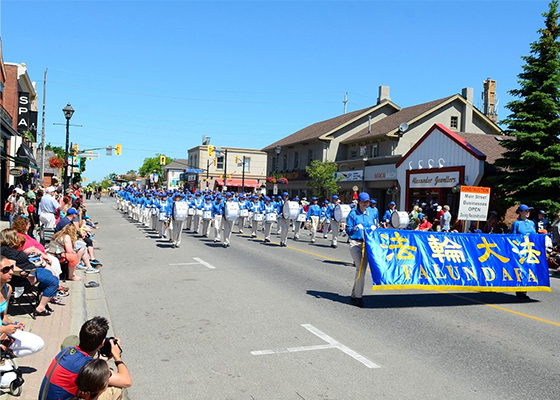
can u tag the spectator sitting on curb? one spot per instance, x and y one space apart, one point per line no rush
60 378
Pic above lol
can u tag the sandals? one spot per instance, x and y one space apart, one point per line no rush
92 284
44 313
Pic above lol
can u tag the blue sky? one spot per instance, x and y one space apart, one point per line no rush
155 76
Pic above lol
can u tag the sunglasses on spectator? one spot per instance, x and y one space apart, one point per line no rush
7 269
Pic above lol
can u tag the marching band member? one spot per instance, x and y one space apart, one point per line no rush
297 224
325 222
388 213
373 206
283 223
206 208
188 222
198 201
218 213
228 225
268 208
162 215
359 219
255 208
243 205
178 217
313 215
335 225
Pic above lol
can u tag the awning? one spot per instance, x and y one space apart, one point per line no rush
25 156
249 183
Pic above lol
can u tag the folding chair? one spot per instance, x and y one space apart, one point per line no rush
25 295
46 236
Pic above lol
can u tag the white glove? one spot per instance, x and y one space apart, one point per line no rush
360 227
373 227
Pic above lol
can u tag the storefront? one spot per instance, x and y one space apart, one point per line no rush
436 167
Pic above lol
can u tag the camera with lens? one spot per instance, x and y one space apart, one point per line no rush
105 350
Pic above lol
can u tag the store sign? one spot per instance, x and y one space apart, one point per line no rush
17 171
24 106
474 203
191 178
381 173
347 176
434 180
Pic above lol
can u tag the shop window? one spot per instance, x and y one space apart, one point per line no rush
374 150
454 124
220 163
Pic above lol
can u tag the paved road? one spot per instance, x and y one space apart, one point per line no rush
257 321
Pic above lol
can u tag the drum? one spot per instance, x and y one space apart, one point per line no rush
180 210
301 217
191 212
244 213
231 210
399 220
271 217
162 216
206 214
341 211
154 211
258 217
198 213
290 210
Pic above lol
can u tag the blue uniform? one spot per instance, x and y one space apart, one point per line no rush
523 227
355 218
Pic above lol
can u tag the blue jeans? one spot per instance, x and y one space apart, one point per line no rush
48 283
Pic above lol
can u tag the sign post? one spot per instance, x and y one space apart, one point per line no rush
473 204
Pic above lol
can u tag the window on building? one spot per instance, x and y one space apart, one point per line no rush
285 163
296 160
454 124
247 164
273 166
375 150
220 163
354 154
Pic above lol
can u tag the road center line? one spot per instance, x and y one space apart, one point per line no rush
332 344
204 263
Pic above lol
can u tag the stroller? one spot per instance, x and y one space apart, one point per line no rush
11 376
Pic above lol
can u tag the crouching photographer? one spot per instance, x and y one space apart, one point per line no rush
60 379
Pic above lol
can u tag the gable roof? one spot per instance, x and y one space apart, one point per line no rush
391 123
178 163
320 129
466 141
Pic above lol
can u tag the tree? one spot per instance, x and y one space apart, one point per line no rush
152 164
531 162
321 177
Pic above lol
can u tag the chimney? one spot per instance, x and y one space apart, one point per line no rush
468 94
383 94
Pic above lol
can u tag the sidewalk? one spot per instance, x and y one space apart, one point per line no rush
66 320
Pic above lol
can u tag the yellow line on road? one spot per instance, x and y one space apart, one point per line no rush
546 321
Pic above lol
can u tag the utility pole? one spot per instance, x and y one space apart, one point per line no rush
243 176
43 130
225 169
207 173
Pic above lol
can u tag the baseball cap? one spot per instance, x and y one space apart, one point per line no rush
71 211
363 196
335 197
392 203
51 189
523 207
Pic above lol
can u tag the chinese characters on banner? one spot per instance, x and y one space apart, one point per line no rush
455 261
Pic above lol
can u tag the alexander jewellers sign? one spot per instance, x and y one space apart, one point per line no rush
434 180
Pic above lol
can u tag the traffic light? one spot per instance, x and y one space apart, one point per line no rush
210 150
236 159
118 149
215 162
161 160
75 149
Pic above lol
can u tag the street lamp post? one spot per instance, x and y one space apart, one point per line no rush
68 112
277 149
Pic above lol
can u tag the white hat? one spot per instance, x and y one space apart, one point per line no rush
19 190
51 189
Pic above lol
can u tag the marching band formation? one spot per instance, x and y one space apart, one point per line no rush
171 212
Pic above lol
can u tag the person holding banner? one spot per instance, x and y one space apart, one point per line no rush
358 219
523 226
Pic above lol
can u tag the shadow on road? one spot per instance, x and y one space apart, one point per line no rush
412 300
346 264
